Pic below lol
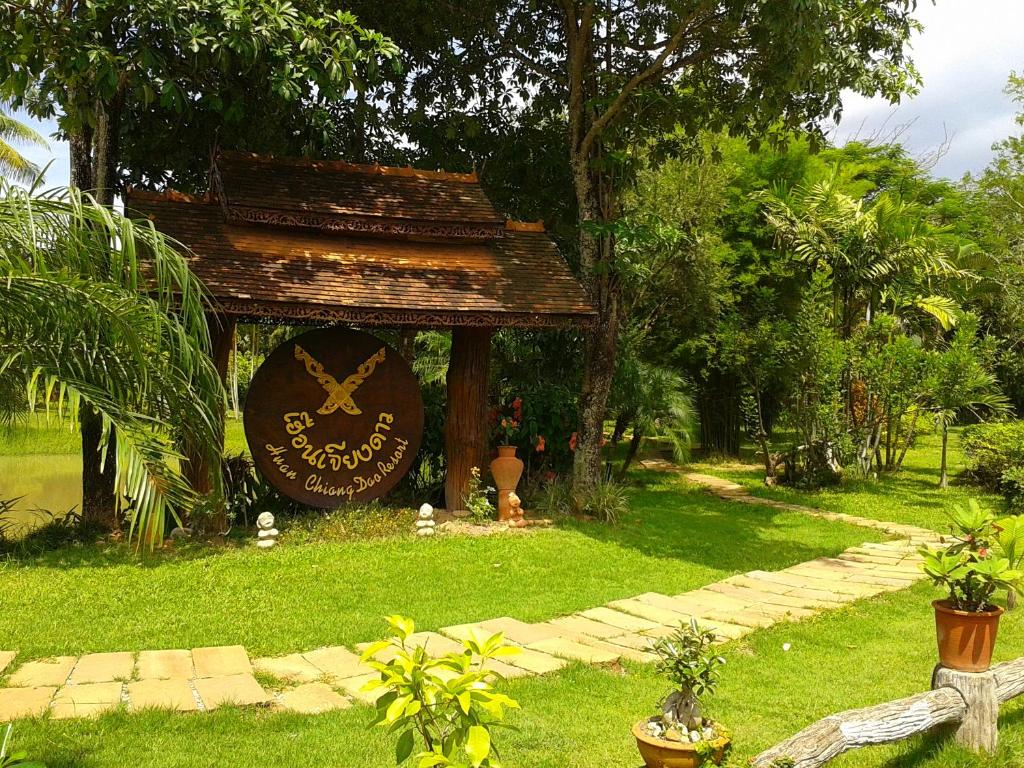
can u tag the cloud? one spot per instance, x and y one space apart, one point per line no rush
964 54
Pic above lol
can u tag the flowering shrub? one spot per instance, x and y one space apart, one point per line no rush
477 502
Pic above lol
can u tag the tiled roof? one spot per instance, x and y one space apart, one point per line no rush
518 279
365 199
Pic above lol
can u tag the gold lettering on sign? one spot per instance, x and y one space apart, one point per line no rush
373 443
339 395
277 455
295 424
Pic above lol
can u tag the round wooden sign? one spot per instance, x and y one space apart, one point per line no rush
333 416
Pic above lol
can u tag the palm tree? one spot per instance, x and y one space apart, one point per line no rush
101 311
877 254
650 400
959 382
14 165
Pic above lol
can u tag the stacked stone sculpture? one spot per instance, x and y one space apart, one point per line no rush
425 523
267 535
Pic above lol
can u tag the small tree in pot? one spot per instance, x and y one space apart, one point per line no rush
973 568
681 735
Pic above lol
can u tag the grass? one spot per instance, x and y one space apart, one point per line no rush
913 496
316 593
39 433
332 579
580 717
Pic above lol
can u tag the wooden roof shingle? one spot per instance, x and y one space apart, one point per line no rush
307 276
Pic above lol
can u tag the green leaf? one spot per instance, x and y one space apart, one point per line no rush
404 747
478 744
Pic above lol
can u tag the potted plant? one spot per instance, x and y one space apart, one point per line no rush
973 568
681 736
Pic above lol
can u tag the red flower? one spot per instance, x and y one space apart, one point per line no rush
983 552
603 442
540 444
504 422
572 442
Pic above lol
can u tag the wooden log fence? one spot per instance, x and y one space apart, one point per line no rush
969 700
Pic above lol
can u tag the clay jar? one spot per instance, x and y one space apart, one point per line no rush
506 470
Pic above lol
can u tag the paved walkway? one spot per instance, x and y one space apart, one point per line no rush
202 679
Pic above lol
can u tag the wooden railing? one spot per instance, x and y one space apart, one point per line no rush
970 699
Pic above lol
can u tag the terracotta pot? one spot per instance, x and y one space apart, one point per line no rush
658 753
965 639
506 470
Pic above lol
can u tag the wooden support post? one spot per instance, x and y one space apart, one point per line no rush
465 429
198 471
978 730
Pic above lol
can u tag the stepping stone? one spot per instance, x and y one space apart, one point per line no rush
353 686
435 644
86 700
6 657
802 586
506 670
16 703
464 631
714 600
584 626
164 665
625 651
758 598
294 668
534 661
337 662
652 613
221 661
174 693
102 668
44 672
619 619
744 618
313 698
884 581
227 690
519 631
574 651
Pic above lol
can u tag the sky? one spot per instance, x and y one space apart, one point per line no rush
964 54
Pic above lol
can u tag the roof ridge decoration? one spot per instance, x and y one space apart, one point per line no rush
513 225
343 166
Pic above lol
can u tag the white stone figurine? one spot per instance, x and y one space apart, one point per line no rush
425 524
267 532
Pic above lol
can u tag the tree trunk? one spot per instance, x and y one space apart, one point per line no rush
201 465
465 429
99 500
634 447
943 475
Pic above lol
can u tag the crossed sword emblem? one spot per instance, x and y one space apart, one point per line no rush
339 395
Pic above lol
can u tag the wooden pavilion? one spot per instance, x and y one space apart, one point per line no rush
305 242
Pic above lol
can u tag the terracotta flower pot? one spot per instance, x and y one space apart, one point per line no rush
506 470
966 639
659 753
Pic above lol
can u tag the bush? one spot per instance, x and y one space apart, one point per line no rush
1011 485
606 501
993 449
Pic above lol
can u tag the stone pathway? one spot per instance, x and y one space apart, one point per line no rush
202 679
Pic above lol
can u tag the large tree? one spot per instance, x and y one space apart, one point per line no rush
617 75
101 66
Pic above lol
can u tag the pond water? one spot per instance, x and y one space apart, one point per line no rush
45 482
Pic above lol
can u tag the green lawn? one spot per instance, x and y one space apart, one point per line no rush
309 592
912 497
579 718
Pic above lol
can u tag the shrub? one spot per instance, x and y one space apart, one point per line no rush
607 501
1011 485
477 502
449 702
993 449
